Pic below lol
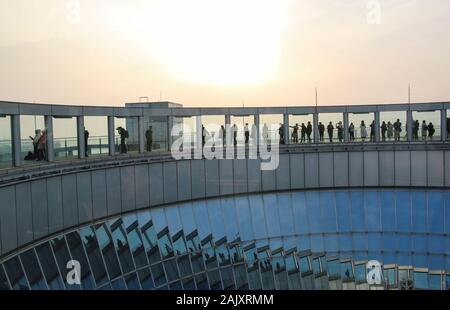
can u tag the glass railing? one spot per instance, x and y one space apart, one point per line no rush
5 153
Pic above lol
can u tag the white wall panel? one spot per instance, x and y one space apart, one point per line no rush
99 197
356 168
341 169
297 171
142 192
419 168
326 170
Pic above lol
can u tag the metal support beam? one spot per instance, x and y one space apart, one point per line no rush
82 147
346 126
258 135
286 128
377 126
111 136
49 133
16 143
199 137
141 134
409 125
316 127
444 125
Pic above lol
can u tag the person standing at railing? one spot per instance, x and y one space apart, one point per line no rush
223 135
303 133
246 134
41 149
234 130
351 131
86 139
416 128
397 130
265 134
295 133
309 131
390 131
363 130
424 131
123 136
340 129
149 137
321 128
383 131
281 133
372 131
431 131
35 140
330 130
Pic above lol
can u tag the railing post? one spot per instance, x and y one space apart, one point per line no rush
16 143
444 124
82 147
346 126
316 127
111 136
141 134
199 137
409 124
377 126
286 128
49 133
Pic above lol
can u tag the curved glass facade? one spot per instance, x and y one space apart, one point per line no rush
289 240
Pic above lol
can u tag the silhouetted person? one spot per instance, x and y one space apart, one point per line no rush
363 130
309 132
383 131
390 131
330 130
397 130
86 140
281 133
416 128
247 134
123 136
424 130
42 147
321 128
223 135
303 133
149 137
431 131
372 131
340 129
295 133
234 129
351 131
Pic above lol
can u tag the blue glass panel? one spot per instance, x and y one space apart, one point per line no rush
436 262
173 219
421 280
345 242
360 242
146 280
360 273
420 243
435 282
229 215
419 211
374 242
49 267
244 218
272 217
387 205
404 243
119 285
286 215
357 211
447 212
420 260
343 211
404 259
346 271
331 242
436 244
258 217
313 209
334 268
303 243
132 282
372 211
216 219
328 208
389 242
403 205
299 211
436 214
201 218
159 219
187 218
32 270
390 258
317 243
4 285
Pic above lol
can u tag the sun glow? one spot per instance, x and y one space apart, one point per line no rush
228 43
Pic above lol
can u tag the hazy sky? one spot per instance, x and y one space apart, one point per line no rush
224 53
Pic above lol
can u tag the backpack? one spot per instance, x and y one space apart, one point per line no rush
127 135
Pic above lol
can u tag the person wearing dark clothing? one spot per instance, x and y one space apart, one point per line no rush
383 131
295 133
351 131
431 131
309 132
321 132
330 130
149 137
247 134
372 132
123 136
416 127
86 139
303 131
281 133
340 129
397 130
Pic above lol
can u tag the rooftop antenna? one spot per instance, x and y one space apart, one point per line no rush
409 94
317 102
